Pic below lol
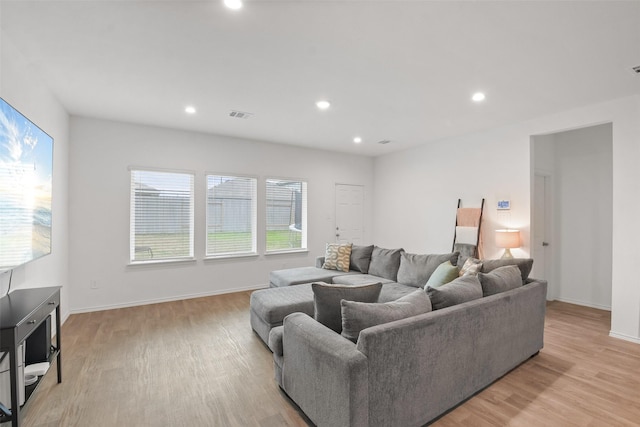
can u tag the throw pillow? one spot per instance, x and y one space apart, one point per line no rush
326 301
415 269
337 256
445 273
524 264
357 316
499 280
471 266
360 258
385 262
462 289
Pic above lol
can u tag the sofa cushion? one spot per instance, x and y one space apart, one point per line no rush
360 258
462 289
272 305
357 316
326 300
298 275
415 269
359 279
500 279
337 256
393 291
445 273
471 266
524 264
385 262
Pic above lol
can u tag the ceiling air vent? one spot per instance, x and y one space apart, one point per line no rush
240 114
636 69
384 141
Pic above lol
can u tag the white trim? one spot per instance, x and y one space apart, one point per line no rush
629 338
285 252
585 304
168 299
231 256
157 262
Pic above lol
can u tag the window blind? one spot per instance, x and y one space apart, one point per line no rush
231 215
161 215
286 215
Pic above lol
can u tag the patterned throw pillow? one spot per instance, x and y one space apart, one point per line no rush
471 267
337 256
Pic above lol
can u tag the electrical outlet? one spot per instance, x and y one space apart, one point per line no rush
94 284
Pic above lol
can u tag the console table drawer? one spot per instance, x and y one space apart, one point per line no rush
31 322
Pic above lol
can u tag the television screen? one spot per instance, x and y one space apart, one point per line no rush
26 163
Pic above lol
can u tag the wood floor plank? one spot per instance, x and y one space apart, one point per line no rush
197 363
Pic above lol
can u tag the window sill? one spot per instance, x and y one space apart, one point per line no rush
160 262
285 252
231 256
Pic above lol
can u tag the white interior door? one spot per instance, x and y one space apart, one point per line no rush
349 213
542 230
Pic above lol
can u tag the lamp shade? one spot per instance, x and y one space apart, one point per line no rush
508 238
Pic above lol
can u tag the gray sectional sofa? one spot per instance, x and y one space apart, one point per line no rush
405 372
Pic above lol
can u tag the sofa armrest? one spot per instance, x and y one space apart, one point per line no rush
324 373
319 261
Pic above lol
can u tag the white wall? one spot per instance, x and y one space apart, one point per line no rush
101 153
415 192
583 215
21 86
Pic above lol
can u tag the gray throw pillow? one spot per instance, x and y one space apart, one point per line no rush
360 258
385 262
500 279
463 289
357 316
524 264
326 300
415 270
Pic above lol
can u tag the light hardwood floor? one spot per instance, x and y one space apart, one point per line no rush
198 363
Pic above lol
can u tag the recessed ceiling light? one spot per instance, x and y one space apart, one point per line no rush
478 97
233 4
190 109
357 140
323 105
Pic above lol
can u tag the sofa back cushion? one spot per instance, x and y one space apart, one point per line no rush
326 300
385 262
357 316
415 270
524 264
500 279
360 258
462 289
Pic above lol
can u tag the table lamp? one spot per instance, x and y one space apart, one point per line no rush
507 239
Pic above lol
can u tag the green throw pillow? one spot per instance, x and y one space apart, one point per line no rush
445 273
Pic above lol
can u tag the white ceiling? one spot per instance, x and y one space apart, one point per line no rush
397 70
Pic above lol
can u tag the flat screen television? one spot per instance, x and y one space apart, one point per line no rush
26 166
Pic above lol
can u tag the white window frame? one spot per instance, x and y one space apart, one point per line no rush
253 217
304 227
133 247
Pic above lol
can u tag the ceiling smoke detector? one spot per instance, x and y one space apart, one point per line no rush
384 141
240 114
636 69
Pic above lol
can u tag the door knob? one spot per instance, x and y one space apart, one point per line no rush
545 244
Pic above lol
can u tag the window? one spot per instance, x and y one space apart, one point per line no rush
286 213
231 215
161 216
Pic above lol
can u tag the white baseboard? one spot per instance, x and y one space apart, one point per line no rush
585 304
169 299
624 337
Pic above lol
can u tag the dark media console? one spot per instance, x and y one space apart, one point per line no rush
25 316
